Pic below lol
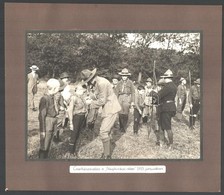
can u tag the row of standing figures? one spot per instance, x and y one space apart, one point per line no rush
157 104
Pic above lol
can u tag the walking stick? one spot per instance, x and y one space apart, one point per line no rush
190 99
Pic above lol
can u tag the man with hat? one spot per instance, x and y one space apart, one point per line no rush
148 100
167 106
65 93
194 102
61 110
47 117
181 97
125 91
33 80
105 98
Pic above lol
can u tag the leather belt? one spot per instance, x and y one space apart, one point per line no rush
169 101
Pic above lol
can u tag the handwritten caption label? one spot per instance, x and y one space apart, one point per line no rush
118 169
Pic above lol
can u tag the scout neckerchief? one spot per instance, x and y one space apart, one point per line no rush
123 86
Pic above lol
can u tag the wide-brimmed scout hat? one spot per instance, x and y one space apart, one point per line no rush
168 74
181 79
64 75
149 80
124 72
34 67
87 75
197 81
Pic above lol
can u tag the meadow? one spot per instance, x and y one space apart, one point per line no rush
187 143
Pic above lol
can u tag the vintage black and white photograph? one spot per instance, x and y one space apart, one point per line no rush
113 95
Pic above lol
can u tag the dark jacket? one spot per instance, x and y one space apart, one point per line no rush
167 97
47 108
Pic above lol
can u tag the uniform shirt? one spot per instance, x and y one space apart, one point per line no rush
66 93
194 93
139 100
105 97
167 97
148 96
125 87
47 108
181 91
77 105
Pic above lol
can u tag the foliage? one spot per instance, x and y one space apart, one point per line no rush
55 53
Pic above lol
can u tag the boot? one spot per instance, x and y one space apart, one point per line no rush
190 122
71 148
102 156
157 137
56 138
194 119
107 149
125 121
46 154
41 154
121 122
170 136
65 123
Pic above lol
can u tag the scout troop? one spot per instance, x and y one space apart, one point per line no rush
153 106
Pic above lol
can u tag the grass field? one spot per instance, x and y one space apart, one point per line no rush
126 146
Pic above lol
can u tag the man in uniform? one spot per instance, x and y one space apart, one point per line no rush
32 79
181 98
167 106
148 100
125 92
194 102
105 98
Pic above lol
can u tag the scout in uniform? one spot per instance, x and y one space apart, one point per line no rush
125 92
66 94
194 102
47 117
167 106
77 111
181 98
139 104
157 125
63 99
32 79
62 107
148 100
105 98
92 113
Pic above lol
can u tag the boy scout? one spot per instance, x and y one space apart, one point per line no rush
125 92
47 117
181 97
77 111
139 105
194 101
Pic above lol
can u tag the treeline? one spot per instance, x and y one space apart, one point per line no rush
72 52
